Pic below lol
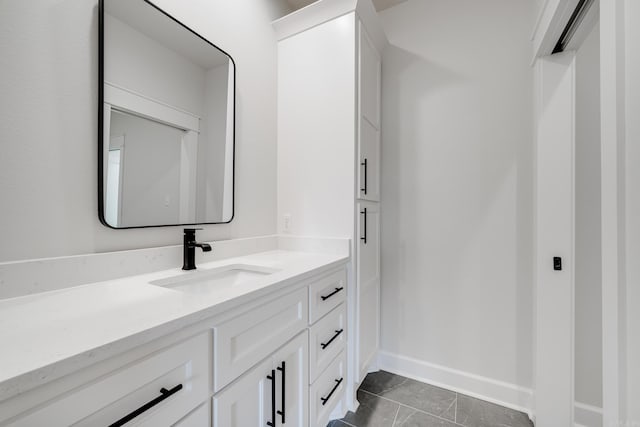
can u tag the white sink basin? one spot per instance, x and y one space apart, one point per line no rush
204 280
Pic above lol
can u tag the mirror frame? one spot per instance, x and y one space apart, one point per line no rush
101 183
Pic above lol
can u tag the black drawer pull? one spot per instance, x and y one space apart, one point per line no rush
272 378
333 390
284 393
364 238
364 163
326 297
164 394
326 344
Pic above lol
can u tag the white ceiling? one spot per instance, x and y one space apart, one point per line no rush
379 4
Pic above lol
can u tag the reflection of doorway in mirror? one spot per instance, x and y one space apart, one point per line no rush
114 181
158 173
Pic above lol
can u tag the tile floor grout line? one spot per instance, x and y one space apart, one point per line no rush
396 417
455 400
455 411
411 407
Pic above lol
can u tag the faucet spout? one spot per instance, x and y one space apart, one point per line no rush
204 246
189 252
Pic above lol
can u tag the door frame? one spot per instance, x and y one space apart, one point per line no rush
551 19
554 292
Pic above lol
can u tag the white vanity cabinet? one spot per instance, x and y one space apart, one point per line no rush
329 127
251 365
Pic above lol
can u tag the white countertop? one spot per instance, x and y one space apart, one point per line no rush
48 335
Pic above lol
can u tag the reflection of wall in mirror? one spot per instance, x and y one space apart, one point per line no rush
140 64
211 156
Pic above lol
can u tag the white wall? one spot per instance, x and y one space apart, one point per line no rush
48 131
457 186
315 161
632 92
588 269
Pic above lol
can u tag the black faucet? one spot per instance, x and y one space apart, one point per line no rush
189 249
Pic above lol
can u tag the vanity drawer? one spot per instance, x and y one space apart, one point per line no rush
327 338
327 391
326 293
181 373
245 340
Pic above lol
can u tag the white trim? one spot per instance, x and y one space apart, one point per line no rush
587 415
315 14
106 137
491 390
139 104
613 121
555 222
118 143
319 12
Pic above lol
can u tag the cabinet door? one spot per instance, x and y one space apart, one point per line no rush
292 385
369 155
369 120
370 70
368 274
247 402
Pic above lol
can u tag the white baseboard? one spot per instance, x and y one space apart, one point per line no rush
587 415
494 391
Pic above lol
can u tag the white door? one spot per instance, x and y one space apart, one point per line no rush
275 393
554 353
247 402
291 364
368 273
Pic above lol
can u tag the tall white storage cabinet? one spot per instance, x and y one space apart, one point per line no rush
329 76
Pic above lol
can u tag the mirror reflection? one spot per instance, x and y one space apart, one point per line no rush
168 121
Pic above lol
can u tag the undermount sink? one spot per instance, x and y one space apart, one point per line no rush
205 279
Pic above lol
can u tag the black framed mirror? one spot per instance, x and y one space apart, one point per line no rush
166 148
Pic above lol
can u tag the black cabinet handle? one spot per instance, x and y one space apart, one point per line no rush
333 390
364 163
326 297
364 238
283 370
326 344
164 394
272 378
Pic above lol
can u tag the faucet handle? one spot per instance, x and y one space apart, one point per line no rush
191 231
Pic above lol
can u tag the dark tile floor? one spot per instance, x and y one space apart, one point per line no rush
388 400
